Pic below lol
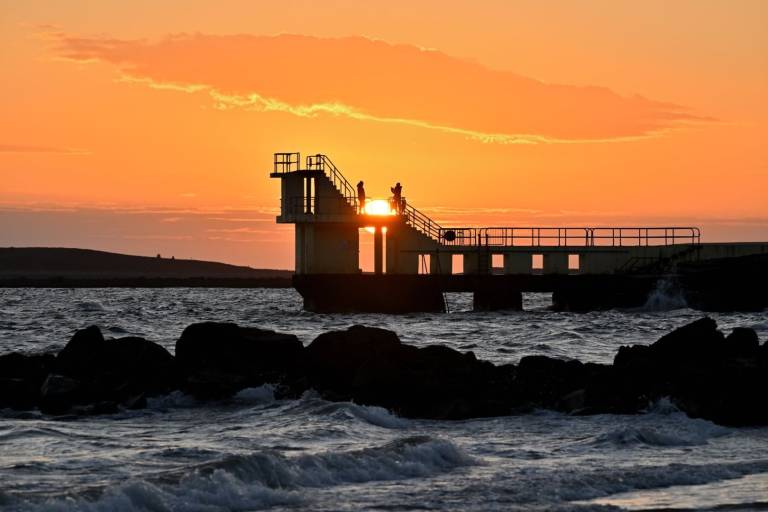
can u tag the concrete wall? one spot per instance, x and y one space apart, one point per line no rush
405 244
291 189
327 249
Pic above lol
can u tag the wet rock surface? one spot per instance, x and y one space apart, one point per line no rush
702 371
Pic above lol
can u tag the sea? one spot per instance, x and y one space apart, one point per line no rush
255 452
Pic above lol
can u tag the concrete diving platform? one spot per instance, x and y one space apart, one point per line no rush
417 260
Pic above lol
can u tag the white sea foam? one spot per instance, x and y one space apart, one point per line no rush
265 479
665 297
663 425
311 403
260 395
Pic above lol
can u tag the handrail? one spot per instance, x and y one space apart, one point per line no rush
421 222
286 162
320 162
531 236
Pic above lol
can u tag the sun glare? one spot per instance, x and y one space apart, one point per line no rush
378 207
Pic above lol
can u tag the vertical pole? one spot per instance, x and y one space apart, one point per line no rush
378 250
309 195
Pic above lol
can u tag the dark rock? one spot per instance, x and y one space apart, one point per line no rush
742 342
116 370
21 376
59 394
83 354
334 357
137 366
371 366
573 402
219 359
699 340
544 380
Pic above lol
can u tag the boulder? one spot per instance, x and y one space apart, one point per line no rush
59 394
698 341
21 376
137 366
742 342
83 354
116 370
219 359
434 382
543 380
370 366
333 358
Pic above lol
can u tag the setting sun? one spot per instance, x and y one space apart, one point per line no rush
378 207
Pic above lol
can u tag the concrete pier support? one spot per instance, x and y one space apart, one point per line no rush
440 263
497 298
378 250
326 293
556 263
517 263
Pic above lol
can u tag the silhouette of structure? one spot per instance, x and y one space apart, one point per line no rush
584 267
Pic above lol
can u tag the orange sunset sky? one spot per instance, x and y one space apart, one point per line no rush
148 127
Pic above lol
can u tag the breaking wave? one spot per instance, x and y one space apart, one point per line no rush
264 479
665 297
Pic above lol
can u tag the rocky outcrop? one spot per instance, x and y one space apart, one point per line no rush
21 376
371 366
89 370
218 359
705 373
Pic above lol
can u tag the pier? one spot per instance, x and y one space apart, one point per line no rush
416 260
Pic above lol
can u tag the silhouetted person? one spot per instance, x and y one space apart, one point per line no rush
397 197
360 197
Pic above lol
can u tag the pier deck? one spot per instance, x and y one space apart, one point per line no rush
584 267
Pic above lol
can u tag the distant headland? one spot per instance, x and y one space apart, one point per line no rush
74 268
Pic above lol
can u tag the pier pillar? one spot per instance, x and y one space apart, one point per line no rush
517 263
556 263
471 263
496 298
378 250
440 263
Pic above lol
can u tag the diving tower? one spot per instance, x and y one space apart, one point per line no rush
584 267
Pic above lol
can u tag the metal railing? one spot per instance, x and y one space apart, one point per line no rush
298 205
286 162
322 163
569 236
421 222
491 236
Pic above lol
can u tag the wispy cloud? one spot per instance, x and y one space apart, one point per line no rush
374 81
25 148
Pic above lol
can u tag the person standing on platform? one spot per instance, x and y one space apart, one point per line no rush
360 197
397 198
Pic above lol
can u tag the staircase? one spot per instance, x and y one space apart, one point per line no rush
413 217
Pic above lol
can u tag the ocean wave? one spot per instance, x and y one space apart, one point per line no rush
311 403
601 483
674 429
90 306
22 432
651 436
264 479
255 396
665 297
